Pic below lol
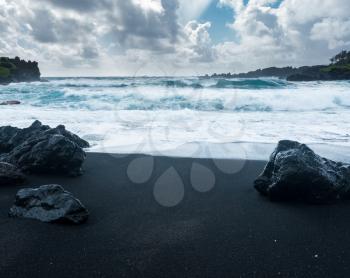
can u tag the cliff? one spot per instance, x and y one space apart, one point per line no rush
17 70
322 73
339 69
267 72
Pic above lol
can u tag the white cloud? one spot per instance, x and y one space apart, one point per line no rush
296 32
114 37
335 31
150 5
192 10
199 41
88 31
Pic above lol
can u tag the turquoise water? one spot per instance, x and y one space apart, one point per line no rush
148 114
136 93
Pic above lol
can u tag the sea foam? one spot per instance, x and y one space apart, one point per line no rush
161 114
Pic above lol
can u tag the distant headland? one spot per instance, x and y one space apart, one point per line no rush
339 69
17 70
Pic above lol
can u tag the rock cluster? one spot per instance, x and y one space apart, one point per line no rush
41 149
295 172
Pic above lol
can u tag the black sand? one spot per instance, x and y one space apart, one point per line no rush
230 231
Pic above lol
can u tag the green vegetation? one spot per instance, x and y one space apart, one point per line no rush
4 72
335 67
8 65
339 63
17 70
6 68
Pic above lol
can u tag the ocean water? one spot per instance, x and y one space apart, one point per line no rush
221 118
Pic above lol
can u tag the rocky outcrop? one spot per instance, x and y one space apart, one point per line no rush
295 172
306 73
339 69
17 70
266 72
41 149
49 203
321 73
10 175
10 102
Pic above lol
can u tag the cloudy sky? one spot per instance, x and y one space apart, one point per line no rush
171 37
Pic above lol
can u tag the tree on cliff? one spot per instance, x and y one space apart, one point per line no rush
341 58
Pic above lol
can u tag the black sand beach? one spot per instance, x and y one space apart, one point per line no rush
229 231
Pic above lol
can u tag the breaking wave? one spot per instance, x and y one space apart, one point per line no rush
168 112
229 95
254 84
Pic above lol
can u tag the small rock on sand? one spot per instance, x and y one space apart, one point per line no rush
49 203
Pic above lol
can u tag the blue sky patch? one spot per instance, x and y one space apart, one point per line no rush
219 17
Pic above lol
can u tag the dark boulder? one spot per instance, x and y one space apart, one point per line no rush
295 172
41 149
6 135
10 175
49 203
10 102
52 154
11 137
61 130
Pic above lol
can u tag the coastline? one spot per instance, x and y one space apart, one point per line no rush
228 230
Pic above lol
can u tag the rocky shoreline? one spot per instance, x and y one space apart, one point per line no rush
293 173
40 149
17 70
339 69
